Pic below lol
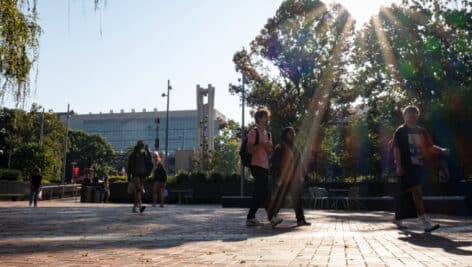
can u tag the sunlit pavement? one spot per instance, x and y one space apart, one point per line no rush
68 233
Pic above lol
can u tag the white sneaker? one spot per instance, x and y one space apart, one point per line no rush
135 210
253 222
400 225
275 221
429 227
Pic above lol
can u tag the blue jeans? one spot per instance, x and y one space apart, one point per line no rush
34 196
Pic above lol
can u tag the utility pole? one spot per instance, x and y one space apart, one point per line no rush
243 134
167 124
41 133
64 158
243 100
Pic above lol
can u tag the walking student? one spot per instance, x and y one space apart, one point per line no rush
160 179
412 147
259 145
139 167
287 176
36 182
106 189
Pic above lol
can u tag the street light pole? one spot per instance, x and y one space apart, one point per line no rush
243 134
243 100
64 160
167 123
41 133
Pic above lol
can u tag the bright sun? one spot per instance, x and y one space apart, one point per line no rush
362 10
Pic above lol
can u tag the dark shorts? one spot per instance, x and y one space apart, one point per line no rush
412 177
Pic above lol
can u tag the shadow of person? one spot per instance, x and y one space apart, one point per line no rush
436 241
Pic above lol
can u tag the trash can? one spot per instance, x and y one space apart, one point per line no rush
98 194
87 193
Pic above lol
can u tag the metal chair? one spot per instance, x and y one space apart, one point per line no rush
320 194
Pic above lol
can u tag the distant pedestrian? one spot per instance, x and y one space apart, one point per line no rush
160 179
36 182
287 177
106 189
259 145
139 167
412 148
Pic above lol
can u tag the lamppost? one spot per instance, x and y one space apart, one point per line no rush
64 159
156 141
41 132
241 89
167 123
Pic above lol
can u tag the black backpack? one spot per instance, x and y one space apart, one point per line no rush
245 156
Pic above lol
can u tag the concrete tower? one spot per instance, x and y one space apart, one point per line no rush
206 118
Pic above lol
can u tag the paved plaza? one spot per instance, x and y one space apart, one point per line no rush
68 233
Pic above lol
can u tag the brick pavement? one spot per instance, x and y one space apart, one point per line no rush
66 233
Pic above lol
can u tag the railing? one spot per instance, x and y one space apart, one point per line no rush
60 190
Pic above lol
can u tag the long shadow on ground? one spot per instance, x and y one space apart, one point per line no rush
50 229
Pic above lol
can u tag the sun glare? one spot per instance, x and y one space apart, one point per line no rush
362 10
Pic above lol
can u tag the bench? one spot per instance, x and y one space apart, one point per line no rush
186 194
14 189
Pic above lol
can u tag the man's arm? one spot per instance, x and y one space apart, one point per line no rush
434 148
398 163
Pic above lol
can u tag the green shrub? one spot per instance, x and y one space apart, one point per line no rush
171 179
217 178
182 178
11 175
118 179
197 177
233 178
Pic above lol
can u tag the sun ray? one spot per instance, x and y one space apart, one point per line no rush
319 102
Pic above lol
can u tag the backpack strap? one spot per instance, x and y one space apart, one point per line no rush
257 136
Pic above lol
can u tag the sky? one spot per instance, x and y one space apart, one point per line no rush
121 56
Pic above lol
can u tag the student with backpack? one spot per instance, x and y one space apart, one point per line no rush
259 146
139 167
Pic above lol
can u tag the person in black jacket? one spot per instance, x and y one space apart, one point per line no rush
35 185
160 179
139 167
287 177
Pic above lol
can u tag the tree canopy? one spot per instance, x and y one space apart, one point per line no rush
343 87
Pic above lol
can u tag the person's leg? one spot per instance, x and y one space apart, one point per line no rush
35 197
299 213
162 186
417 195
259 195
276 200
155 189
31 196
136 193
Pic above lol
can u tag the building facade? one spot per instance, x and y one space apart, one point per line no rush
123 129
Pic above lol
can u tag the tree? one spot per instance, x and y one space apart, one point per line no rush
226 158
19 46
88 150
305 43
344 89
411 53
20 136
